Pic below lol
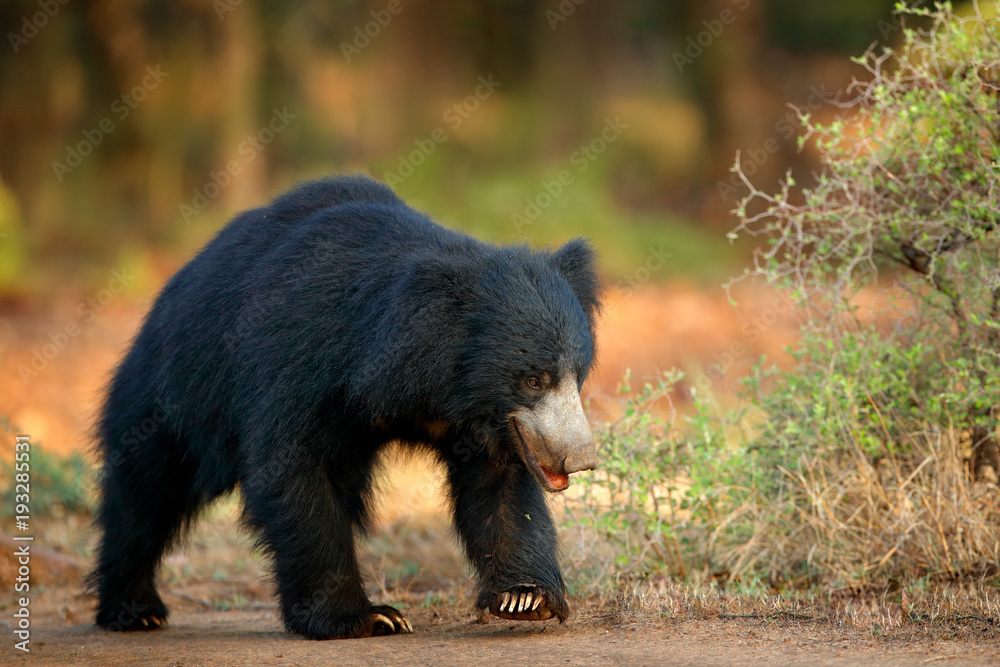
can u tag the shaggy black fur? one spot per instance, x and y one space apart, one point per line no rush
302 339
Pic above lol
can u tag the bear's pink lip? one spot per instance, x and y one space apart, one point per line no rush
550 481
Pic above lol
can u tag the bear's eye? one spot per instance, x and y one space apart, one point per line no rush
534 383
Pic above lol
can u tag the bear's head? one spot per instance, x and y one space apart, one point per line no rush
522 324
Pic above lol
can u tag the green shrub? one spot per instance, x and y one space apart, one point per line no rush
874 457
878 433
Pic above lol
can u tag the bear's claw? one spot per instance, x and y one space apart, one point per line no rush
388 621
523 603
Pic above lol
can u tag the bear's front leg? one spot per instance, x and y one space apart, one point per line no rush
501 517
310 533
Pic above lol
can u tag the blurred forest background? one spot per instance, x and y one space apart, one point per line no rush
116 114
131 131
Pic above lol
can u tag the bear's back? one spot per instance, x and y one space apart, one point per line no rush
314 196
220 295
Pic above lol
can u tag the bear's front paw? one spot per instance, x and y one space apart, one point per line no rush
529 603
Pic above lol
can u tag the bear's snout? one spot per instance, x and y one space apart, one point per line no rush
556 437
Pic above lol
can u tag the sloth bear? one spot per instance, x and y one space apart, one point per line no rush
299 342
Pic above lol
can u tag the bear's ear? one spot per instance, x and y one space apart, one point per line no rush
577 263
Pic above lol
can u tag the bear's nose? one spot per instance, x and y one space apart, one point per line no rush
582 457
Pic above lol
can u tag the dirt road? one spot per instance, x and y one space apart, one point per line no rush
449 636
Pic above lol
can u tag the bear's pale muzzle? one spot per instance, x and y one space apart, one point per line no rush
555 436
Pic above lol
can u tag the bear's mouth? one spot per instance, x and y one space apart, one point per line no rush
550 481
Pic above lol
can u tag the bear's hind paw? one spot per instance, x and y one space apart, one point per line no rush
134 617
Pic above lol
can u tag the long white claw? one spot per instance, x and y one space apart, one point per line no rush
538 601
503 603
407 627
527 601
385 619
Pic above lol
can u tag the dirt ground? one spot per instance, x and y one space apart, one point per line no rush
451 636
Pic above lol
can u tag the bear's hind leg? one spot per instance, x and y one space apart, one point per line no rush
145 503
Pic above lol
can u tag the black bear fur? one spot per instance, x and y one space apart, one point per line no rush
306 336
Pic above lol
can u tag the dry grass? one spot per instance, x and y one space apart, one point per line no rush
864 523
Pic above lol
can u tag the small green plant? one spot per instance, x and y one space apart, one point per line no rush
659 493
57 483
